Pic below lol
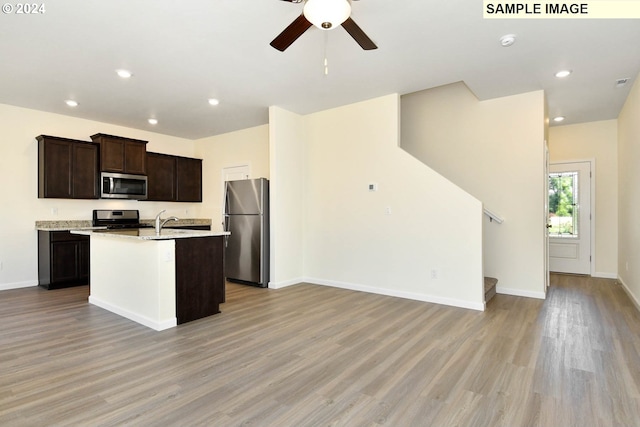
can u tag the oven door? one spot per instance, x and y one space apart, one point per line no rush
123 186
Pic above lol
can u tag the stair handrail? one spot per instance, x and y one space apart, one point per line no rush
493 216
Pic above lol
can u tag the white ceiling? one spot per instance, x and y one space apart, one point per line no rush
182 53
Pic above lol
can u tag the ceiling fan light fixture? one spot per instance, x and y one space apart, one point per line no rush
327 14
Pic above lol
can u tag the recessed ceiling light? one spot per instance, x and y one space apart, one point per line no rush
71 103
125 74
558 119
153 121
563 73
213 101
507 40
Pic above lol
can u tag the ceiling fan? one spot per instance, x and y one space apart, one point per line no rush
326 15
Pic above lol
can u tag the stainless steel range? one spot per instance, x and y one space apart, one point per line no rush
118 219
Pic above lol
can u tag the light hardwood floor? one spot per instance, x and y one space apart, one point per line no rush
316 356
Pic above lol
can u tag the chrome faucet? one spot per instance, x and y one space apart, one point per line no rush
161 222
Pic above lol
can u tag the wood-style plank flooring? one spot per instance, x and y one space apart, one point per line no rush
315 356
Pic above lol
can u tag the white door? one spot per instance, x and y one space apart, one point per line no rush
570 217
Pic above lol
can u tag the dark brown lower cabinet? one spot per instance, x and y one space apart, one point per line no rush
63 259
199 277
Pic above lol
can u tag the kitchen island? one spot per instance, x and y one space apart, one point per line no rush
158 280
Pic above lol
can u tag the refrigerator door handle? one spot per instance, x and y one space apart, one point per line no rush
225 227
225 222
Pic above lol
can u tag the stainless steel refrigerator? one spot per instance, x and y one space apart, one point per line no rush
246 216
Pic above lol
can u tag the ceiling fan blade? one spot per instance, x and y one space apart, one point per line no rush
293 1
291 33
358 35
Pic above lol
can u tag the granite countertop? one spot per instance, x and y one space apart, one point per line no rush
68 225
149 233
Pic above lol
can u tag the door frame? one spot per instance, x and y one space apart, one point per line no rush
545 216
592 207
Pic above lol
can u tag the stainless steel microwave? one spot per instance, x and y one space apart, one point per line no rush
123 186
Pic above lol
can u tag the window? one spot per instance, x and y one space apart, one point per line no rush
563 204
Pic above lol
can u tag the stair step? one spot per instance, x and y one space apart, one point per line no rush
489 288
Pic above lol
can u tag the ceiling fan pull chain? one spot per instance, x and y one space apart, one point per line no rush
326 61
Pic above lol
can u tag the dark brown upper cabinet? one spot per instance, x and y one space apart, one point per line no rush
173 178
161 177
123 155
188 180
67 168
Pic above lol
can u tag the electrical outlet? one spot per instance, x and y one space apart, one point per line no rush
186 212
54 211
434 274
1 266
387 210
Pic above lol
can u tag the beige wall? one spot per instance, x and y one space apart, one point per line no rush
287 144
494 150
629 193
349 239
245 147
21 206
597 141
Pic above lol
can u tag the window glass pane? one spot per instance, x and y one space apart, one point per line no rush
563 204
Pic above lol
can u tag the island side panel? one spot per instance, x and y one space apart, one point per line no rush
135 279
199 277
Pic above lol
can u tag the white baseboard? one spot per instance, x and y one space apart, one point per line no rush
399 294
158 326
285 283
632 297
519 293
18 285
605 275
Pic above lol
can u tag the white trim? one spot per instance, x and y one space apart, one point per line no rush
158 326
285 283
605 275
519 293
18 285
399 294
632 297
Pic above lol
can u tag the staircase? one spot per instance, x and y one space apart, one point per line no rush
489 288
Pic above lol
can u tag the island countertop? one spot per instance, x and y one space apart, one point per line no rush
69 225
150 233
